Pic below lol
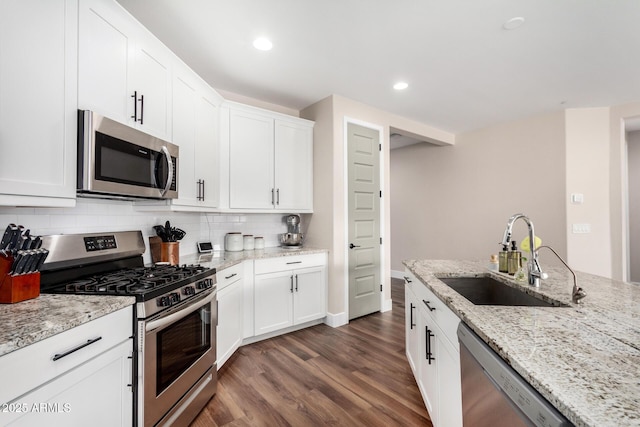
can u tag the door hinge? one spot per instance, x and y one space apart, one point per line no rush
380 287
379 147
381 193
381 240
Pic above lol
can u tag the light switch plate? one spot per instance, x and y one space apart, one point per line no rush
581 228
577 198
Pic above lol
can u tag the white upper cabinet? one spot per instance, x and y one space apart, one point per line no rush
195 131
38 102
123 71
270 160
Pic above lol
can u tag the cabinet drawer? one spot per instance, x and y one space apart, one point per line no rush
31 366
229 275
284 263
439 312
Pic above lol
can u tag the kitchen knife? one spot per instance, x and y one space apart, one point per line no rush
17 260
32 260
6 237
15 235
36 242
25 240
41 258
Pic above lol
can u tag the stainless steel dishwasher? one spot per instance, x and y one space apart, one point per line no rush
495 395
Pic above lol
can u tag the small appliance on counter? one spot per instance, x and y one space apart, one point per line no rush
293 237
234 242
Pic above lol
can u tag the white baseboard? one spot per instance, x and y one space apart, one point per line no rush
397 274
386 305
336 320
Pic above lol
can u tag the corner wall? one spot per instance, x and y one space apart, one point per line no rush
454 202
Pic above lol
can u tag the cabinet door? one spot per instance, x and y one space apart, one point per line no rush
96 393
184 120
251 161
273 301
207 147
38 102
449 386
230 316
412 338
428 378
151 81
105 43
293 166
309 296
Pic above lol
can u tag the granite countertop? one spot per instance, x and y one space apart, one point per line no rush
583 358
222 260
27 322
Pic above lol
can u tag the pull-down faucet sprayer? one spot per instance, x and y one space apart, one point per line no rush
533 266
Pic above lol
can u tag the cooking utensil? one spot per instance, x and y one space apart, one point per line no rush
167 230
177 234
6 237
42 256
160 232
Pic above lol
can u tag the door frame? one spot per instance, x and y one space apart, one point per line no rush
385 239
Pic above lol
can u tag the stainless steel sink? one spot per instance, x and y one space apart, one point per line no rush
485 290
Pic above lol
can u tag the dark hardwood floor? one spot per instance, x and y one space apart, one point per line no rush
355 375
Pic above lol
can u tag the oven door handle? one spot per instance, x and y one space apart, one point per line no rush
170 318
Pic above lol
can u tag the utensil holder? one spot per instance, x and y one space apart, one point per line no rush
17 288
170 252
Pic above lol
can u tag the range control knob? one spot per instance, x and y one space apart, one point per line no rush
174 297
163 301
189 290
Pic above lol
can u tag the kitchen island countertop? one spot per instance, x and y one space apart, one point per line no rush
584 358
27 322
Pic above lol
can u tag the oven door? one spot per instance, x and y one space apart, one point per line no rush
178 348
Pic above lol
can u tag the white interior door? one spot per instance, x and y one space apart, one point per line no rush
364 220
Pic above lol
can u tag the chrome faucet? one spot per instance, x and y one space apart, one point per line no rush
533 267
578 293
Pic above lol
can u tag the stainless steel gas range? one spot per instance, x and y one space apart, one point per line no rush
176 317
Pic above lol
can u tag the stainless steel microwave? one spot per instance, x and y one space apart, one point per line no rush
115 160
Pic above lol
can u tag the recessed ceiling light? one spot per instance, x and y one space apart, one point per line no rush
401 86
262 43
513 23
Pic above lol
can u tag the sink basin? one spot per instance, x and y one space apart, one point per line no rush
485 290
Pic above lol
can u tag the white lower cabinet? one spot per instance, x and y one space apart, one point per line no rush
81 376
432 353
289 291
230 312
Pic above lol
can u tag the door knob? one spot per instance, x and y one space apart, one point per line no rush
351 246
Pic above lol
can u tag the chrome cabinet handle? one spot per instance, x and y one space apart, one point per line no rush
406 279
428 306
73 350
278 196
273 196
291 289
296 283
229 277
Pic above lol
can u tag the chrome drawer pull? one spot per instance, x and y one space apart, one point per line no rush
428 306
229 277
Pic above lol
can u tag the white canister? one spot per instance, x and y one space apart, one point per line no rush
233 242
248 242
258 243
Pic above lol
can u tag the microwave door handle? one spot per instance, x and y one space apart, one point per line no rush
167 156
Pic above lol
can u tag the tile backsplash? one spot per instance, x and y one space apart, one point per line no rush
95 215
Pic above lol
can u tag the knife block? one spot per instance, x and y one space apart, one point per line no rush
17 288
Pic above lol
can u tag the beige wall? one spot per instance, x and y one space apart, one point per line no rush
454 202
633 155
587 172
327 227
618 188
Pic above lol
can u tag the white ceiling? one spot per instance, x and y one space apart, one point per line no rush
464 70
